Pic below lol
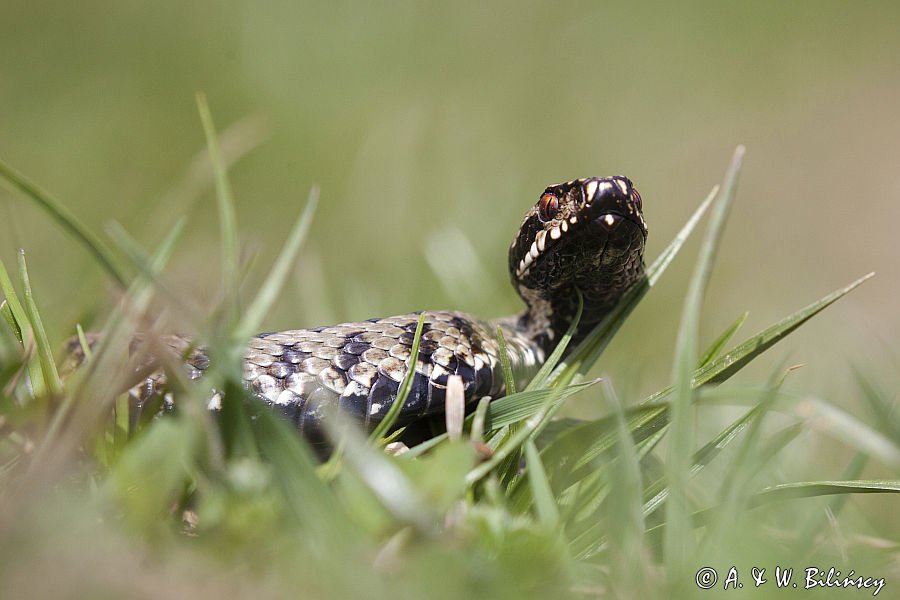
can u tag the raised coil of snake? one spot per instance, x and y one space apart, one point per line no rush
586 235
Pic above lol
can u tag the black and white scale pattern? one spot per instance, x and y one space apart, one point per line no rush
359 366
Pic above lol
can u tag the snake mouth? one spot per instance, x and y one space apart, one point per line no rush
612 220
593 232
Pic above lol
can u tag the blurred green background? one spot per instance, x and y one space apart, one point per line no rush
427 124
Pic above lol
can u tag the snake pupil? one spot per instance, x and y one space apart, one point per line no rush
548 207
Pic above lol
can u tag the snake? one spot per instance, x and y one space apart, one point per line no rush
584 237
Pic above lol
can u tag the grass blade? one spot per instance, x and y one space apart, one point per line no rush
515 440
235 142
10 319
883 407
18 319
83 342
678 544
104 374
810 489
13 309
510 409
540 379
508 380
403 391
510 466
307 500
479 418
150 474
571 456
544 501
227 216
722 368
383 477
843 426
797 490
716 347
659 491
523 405
149 269
278 274
45 353
817 520
624 518
67 220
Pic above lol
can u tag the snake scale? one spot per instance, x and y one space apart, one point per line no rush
586 235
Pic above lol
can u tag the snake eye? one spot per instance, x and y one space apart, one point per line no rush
548 207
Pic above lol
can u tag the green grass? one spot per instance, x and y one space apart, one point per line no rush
235 504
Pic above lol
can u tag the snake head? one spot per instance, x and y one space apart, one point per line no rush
587 234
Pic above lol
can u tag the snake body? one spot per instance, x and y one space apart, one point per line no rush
586 235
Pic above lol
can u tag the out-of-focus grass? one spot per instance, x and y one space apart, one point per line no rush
426 123
230 504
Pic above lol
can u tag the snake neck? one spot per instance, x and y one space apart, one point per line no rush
548 316
544 322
